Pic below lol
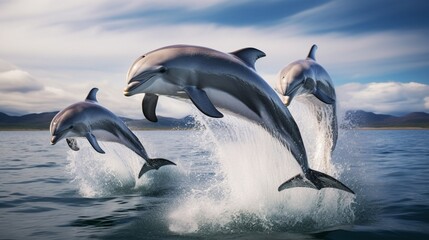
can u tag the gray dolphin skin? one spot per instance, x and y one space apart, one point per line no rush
90 120
228 81
308 78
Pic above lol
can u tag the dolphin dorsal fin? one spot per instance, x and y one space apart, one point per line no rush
312 53
92 95
249 55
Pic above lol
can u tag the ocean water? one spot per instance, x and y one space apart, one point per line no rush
223 187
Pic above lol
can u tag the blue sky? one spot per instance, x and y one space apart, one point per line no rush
51 54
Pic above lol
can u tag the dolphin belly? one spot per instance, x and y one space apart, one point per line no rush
232 104
105 136
127 141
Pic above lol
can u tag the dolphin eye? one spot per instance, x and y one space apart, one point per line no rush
162 69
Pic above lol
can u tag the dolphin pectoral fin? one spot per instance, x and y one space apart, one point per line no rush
154 163
202 102
93 141
322 96
318 181
72 144
297 181
149 106
249 55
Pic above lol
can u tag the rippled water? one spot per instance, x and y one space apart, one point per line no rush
224 186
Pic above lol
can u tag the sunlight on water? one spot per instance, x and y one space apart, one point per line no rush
251 167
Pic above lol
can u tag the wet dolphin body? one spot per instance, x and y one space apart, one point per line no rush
308 78
213 79
90 120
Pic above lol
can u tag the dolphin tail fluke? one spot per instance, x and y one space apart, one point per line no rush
154 163
316 180
297 181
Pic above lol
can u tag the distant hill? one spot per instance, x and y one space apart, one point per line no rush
29 121
361 118
42 121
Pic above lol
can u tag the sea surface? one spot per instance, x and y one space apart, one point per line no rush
223 187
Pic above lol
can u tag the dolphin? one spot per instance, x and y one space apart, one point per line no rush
90 120
212 80
308 78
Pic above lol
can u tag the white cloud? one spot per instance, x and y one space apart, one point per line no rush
388 97
76 45
13 79
84 35
22 93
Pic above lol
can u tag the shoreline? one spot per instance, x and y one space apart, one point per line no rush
391 128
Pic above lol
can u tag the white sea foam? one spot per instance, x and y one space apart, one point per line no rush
100 175
252 164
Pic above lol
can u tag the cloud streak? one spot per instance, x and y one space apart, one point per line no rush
379 15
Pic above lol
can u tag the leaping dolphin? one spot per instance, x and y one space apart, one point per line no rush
90 120
307 77
213 79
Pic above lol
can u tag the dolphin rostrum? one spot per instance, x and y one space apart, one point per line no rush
308 78
212 80
90 120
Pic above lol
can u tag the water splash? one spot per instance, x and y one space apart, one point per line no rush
314 121
99 175
227 177
116 171
251 165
